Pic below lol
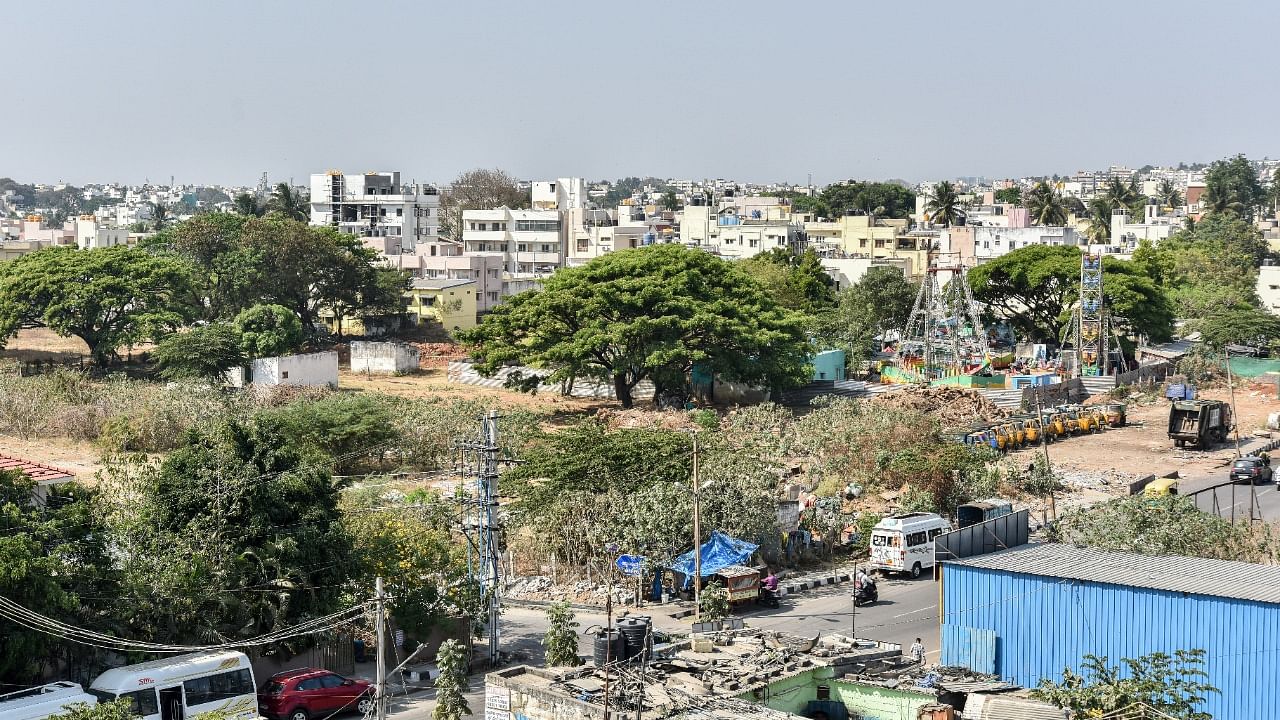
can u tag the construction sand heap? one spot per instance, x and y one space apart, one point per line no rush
953 406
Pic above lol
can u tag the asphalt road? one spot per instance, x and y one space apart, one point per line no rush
907 609
1234 500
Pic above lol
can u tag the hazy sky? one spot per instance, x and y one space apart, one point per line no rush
222 91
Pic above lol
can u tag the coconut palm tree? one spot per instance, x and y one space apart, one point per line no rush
247 204
1045 205
1167 193
1099 230
1218 201
1127 196
943 205
289 203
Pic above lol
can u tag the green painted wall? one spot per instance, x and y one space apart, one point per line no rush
872 702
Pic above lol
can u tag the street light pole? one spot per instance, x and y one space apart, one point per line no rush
697 539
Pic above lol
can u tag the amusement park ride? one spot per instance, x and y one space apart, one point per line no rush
944 341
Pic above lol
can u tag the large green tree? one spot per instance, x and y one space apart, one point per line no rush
1240 325
204 353
1232 186
882 199
108 298
881 300
796 281
943 205
269 330
1034 289
289 203
1210 266
648 313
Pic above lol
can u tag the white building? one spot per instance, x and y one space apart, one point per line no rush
376 205
446 261
1269 288
91 235
1126 234
993 242
313 370
531 241
559 194
728 233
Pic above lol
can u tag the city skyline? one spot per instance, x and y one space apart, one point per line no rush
928 91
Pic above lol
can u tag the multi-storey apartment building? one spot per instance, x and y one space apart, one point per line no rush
531 241
395 216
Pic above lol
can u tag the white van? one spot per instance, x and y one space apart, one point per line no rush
38 703
184 687
904 543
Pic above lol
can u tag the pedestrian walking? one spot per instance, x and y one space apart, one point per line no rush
917 651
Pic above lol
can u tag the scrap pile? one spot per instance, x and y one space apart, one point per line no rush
952 406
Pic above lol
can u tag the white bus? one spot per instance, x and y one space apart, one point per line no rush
184 687
39 703
904 543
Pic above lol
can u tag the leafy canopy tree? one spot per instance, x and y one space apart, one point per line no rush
881 300
1169 525
1239 325
651 312
670 201
1176 686
107 298
796 281
228 276
943 205
1010 195
268 330
478 189
287 202
451 683
883 199
1232 186
560 642
248 205
159 216
1208 266
713 602
200 353
1034 289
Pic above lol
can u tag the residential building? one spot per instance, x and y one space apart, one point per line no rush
1268 287
376 205
559 194
978 244
531 241
1026 613
1126 233
446 261
452 303
46 477
592 233
728 233
847 271
865 236
91 235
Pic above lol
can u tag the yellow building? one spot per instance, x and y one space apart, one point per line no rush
452 303
868 237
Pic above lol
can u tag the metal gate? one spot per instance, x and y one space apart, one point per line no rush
334 652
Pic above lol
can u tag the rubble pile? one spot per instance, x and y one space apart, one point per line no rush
438 355
953 406
543 589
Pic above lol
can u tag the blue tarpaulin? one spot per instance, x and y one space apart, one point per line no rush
719 552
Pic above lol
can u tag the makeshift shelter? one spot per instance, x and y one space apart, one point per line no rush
719 552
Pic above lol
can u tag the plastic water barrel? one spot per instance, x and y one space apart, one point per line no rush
635 633
601 650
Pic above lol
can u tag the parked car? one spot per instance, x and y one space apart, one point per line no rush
1252 470
308 693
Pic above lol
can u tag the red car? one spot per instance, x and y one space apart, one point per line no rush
308 693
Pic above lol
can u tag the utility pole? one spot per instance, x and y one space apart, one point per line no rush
381 622
1226 356
482 523
697 539
1044 443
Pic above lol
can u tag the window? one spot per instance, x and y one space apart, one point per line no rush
936 532
143 701
399 212
917 538
537 226
331 681
284 375
493 272
546 248
493 296
309 684
215 688
522 248
433 251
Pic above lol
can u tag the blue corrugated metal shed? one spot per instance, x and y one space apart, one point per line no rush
1050 605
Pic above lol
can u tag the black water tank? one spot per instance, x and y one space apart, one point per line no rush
601 647
635 633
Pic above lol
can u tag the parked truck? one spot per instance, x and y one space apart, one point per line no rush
1199 423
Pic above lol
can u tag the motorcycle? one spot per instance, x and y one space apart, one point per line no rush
865 594
767 598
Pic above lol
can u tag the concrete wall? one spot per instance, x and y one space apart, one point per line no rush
870 702
314 369
383 358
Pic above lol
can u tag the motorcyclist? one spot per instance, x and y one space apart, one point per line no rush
771 582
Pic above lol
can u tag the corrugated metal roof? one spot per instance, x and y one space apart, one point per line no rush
34 470
1005 707
1216 578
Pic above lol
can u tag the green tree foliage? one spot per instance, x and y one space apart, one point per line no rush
1127 196
1045 205
234 534
451 683
1010 195
882 199
1176 686
287 202
1212 265
353 429
121 709
268 330
713 602
107 298
1168 194
943 205
246 204
1239 325
1098 230
560 643
1232 186
228 275
670 201
795 281
159 216
201 353
1034 289
651 312
1169 525
881 300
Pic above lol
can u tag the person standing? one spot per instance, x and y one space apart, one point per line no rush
917 651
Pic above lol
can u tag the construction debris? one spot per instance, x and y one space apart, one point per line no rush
953 406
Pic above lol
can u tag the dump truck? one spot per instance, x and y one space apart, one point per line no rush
1199 423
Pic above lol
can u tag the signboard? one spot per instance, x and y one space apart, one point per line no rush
631 565
497 703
